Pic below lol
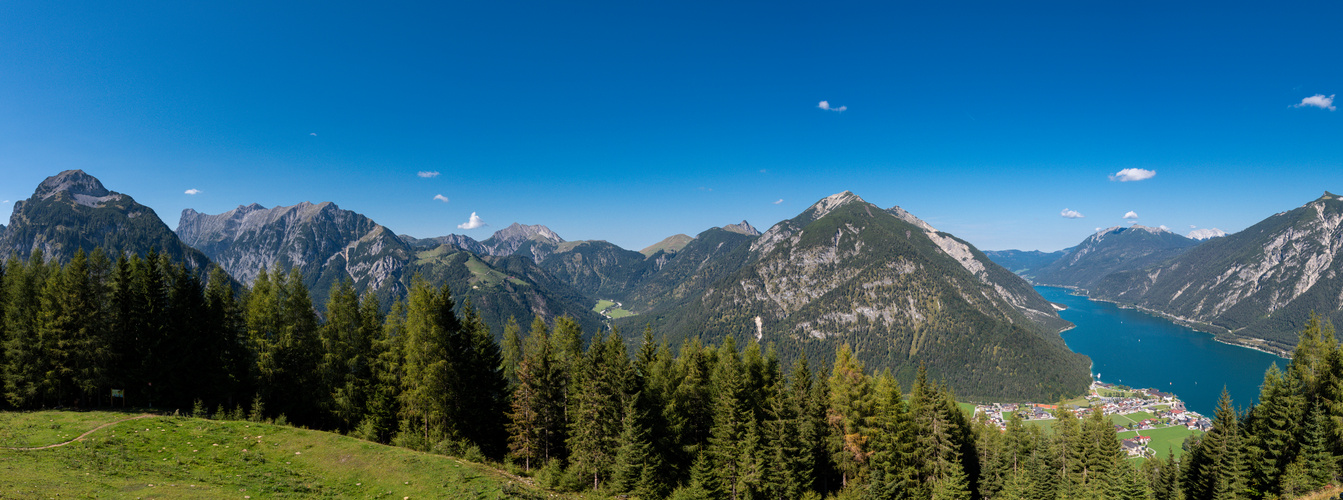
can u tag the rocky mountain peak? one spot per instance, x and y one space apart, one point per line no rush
516 232
83 188
744 228
904 215
832 202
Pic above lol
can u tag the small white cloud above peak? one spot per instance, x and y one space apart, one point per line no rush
1317 101
1071 214
1132 175
826 106
1131 215
1163 227
441 198
192 191
1206 233
778 201
472 223
427 174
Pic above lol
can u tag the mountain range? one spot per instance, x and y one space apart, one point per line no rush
902 293
1256 288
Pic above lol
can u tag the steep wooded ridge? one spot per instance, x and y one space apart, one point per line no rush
1256 287
1110 251
896 289
72 210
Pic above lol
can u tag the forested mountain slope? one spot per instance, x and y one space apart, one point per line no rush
1257 286
901 293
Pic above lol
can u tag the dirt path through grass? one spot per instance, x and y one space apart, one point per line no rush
81 436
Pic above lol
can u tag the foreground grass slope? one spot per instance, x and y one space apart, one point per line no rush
176 457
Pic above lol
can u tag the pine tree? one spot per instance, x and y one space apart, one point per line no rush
851 406
598 402
636 468
24 364
954 485
1272 428
344 368
512 350
537 429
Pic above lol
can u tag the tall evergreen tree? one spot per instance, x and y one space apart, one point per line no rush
851 406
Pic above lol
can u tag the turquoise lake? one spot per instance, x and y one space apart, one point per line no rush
1140 350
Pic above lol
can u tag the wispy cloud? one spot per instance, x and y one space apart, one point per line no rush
826 106
1318 101
1071 214
702 188
1164 228
472 223
1131 215
441 198
1132 174
427 174
314 134
6 201
192 191
778 201
762 170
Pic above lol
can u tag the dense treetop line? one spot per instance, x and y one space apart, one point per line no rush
582 412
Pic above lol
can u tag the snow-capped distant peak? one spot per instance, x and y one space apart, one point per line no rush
1206 233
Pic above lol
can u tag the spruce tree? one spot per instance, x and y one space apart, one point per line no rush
851 406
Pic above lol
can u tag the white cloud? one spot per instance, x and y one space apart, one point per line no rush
1191 226
1164 228
441 198
1131 215
826 106
192 191
702 188
426 174
1071 214
6 201
1098 229
314 134
778 201
1318 101
762 170
472 223
1132 174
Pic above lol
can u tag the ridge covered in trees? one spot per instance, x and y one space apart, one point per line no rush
579 413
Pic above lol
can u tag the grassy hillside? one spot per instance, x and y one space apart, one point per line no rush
176 457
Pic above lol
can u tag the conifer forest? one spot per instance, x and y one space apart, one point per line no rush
584 411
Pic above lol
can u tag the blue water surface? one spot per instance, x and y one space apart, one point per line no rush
1136 349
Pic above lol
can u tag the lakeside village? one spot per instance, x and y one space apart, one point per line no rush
1130 409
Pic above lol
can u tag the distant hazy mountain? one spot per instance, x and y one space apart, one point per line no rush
1255 287
1024 262
72 210
324 242
896 289
1206 233
1120 248
457 240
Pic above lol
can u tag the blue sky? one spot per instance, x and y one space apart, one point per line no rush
632 121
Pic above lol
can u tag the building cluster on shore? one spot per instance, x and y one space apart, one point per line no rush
1157 410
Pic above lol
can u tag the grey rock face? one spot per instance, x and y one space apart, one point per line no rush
743 228
322 241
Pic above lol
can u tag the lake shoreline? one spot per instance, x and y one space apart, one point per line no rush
1187 323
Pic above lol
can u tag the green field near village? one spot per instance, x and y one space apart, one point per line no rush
1164 439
